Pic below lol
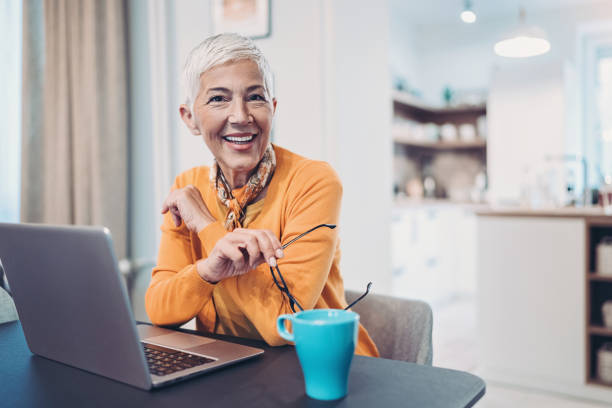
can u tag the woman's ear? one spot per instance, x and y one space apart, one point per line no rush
189 119
273 105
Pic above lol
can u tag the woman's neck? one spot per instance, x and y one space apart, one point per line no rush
236 179
239 180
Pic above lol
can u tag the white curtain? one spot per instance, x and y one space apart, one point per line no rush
75 115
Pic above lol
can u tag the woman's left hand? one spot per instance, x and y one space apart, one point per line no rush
238 252
186 205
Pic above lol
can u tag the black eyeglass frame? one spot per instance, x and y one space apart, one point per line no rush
282 285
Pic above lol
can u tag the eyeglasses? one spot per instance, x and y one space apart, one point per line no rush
282 285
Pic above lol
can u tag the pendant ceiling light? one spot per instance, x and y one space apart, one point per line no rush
468 15
526 41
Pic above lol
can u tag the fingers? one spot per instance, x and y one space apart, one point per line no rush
250 248
187 206
238 260
261 245
169 205
240 251
278 248
176 216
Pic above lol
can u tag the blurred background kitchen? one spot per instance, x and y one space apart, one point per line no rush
473 138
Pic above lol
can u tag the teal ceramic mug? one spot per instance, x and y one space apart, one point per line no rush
325 342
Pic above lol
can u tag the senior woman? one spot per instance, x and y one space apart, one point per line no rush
224 224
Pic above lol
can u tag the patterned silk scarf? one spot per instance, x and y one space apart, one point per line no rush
238 199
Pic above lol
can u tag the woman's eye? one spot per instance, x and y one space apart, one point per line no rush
216 98
257 97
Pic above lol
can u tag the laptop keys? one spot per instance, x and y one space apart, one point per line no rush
164 361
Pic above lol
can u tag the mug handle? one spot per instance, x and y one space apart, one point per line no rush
282 330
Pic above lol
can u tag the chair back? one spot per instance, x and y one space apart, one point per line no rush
7 307
8 313
401 328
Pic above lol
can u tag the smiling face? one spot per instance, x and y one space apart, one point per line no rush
233 113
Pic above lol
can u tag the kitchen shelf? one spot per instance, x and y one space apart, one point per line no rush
600 278
421 151
598 290
476 144
406 102
600 330
598 382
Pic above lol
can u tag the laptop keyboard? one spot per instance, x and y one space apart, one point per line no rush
164 361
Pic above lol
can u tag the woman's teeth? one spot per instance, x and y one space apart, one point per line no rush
239 139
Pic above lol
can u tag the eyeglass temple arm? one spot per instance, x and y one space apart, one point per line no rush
285 289
360 297
330 226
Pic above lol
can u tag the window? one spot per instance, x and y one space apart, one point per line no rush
10 109
595 67
604 102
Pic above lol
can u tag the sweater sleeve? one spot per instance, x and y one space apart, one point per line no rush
177 293
312 198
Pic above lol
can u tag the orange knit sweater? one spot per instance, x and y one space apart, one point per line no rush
302 194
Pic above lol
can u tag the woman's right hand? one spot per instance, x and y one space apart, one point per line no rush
186 205
238 252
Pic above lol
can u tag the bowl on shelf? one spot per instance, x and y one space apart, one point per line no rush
448 132
467 132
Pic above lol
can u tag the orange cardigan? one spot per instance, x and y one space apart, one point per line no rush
302 194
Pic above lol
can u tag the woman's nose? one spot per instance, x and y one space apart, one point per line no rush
239 113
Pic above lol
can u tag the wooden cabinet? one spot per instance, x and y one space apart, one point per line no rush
598 290
531 301
539 300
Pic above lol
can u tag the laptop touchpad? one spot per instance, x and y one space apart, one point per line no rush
179 340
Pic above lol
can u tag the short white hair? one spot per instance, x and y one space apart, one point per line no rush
217 50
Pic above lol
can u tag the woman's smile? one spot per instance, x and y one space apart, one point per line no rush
240 141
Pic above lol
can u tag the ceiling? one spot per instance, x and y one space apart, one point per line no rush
424 12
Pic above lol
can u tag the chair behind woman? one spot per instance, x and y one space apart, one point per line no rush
401 328
8 313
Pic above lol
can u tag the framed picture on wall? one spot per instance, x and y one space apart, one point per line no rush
250 18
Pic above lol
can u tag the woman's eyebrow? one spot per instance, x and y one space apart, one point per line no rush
217 89
254 88
225 90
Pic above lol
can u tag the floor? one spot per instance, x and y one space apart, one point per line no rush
455 347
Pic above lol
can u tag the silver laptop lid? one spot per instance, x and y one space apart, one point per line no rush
71 302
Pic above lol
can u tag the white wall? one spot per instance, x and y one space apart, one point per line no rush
295 51
361 132
190 23
404 62
525 112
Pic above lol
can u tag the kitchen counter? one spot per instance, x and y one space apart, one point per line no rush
571 212
485 209
407 202
537 301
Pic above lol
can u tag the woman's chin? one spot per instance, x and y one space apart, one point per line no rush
242 161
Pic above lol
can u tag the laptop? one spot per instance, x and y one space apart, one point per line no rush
74 309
